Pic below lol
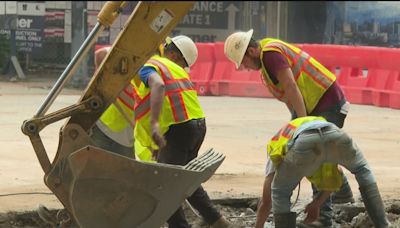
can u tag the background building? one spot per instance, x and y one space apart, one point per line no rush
48 33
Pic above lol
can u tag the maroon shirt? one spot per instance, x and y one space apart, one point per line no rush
275 61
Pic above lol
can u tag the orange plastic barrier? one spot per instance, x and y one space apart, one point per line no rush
363 72
368 75
354 82
394 90
202 71
227 81
378 85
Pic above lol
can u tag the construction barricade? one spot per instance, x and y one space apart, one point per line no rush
202 71
366 74
394 89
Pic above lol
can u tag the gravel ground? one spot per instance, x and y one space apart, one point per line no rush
238 211
237 127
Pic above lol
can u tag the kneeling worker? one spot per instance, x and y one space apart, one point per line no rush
312 147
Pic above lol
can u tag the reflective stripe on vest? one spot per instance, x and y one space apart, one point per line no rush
180 104
301 64
173 89
126 97
277 145
326 177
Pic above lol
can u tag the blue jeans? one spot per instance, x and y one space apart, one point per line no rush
312 148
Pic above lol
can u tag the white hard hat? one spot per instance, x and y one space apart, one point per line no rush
236 45
187 47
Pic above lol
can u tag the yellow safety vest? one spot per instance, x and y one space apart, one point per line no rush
180 101
113 118
312 78
114 121
327 177
117 122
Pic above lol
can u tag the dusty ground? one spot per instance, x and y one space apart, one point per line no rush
237 127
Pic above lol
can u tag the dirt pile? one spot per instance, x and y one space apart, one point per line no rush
238 211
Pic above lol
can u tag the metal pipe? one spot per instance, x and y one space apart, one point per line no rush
70 69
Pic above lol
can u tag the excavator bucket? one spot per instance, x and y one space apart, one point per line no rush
103 189
109 190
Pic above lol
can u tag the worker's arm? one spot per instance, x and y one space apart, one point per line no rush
292 92
157 87
265 203
312 209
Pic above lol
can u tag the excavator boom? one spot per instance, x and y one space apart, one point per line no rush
99 188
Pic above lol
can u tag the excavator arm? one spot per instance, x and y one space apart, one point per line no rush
99 188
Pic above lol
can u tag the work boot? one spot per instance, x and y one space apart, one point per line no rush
374 205
223 223
285 220
344 195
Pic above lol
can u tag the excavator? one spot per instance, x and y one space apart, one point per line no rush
99 188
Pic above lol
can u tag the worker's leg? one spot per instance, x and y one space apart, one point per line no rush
176 153
202 203
285 220
344 195
286 178
345 152
302 159
200 199
183 143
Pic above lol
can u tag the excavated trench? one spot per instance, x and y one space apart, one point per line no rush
239 211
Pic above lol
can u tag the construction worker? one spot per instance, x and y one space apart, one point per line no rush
298 80
114 129
311 146
169 118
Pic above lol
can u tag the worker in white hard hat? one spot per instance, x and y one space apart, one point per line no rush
170 120
301 82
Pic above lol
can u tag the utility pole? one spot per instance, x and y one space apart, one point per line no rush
79 27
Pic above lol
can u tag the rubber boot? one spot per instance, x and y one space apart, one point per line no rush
285 220
374 205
